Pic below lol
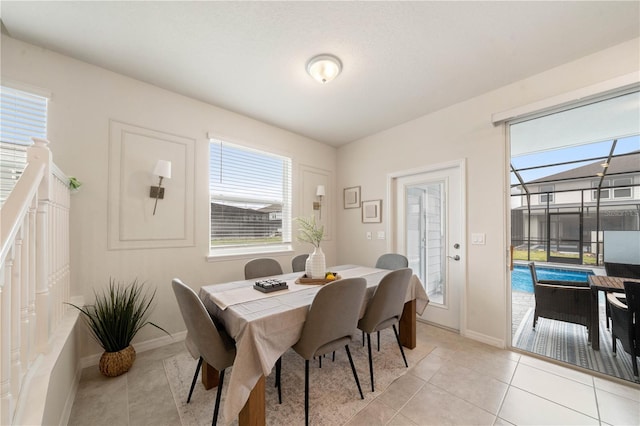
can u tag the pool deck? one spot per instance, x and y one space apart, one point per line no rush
520 303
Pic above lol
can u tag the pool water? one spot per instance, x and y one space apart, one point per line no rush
521 276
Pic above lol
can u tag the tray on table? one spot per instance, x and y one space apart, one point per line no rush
306 280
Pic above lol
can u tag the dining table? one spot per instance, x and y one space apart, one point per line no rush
265 325
607 284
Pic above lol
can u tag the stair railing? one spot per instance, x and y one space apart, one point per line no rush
34 270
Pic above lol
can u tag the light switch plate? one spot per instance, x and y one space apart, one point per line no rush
478 239
369 235
381 235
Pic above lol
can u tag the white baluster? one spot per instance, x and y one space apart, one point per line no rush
16 292
25 350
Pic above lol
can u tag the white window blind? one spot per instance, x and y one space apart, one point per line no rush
250 194
23 116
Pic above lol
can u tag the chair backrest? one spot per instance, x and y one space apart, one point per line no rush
216 350
333 315
299 263
262 267
392 261
385 308
532 268
632 294
622 270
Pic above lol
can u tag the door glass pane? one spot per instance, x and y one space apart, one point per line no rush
425 237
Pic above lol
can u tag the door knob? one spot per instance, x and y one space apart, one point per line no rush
456 257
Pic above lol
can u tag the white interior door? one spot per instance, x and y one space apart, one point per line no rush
429 220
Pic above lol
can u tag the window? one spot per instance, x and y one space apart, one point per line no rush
604 193
617 190
22 116
250 198
546 197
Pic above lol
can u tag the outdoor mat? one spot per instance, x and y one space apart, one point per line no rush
568 342
333 395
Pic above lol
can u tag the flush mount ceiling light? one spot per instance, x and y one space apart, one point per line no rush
324 68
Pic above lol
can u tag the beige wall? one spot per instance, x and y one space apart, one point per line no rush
84 100
465 131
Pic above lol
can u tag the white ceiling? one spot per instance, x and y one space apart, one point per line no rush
401 60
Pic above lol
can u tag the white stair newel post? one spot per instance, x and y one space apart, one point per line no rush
39 152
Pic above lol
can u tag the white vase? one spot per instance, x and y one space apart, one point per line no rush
316 265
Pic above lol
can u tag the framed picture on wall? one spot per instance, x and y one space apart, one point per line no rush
371 211
352 197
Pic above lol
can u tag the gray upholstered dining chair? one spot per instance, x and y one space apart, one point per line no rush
329 325
298 263
211 344
262 267
385 309
392 261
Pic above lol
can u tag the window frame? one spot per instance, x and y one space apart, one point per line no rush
547 188
223 253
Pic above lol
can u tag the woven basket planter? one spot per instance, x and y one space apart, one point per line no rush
113 364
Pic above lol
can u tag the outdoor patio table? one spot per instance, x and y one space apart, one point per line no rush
608 285
265 325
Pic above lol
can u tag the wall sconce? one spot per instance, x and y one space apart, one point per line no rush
317 205
162 170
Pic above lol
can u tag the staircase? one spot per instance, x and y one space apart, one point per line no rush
34 283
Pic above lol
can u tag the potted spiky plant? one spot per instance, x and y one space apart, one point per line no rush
116 316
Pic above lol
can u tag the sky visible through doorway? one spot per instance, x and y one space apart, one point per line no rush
592 150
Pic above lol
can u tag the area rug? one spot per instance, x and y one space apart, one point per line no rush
568 342
333 395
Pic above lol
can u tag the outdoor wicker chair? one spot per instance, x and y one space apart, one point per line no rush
622 270
625 321
568 301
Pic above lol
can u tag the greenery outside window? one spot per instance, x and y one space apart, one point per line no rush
250 200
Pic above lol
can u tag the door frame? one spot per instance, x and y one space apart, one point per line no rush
580 241
391 223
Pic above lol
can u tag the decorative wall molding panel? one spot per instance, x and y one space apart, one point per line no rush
133 154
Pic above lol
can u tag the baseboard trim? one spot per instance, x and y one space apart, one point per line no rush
489 340
66 411
147 345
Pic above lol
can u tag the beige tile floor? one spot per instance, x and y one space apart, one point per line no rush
459 382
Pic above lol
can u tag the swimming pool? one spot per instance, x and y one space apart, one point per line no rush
521 277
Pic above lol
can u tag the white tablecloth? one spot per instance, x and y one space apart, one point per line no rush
265 325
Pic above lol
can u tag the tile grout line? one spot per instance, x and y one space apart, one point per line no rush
595 395
504 397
